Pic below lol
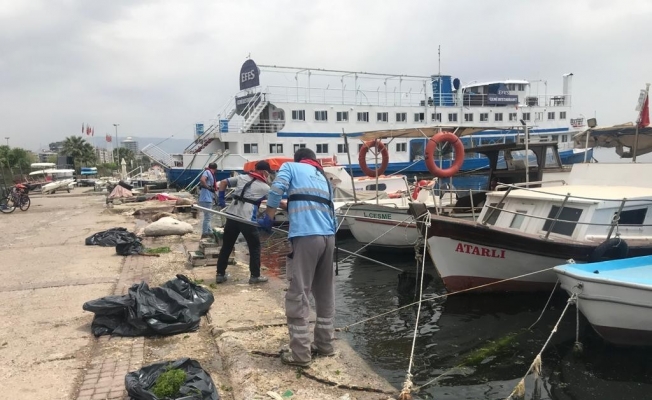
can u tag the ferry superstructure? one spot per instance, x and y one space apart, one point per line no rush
314 107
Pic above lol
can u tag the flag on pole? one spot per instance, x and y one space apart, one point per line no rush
644 118
109 139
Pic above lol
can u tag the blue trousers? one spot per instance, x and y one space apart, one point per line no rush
206 226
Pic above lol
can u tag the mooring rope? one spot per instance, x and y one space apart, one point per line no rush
368 244
346 328
546 306
407 385
519 389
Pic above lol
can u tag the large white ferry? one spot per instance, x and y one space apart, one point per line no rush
312 108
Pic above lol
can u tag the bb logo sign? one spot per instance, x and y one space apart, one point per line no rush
249 75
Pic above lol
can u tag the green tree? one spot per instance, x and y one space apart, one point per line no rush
14 157
122 152
80 150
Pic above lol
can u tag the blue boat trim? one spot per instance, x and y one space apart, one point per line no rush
635 270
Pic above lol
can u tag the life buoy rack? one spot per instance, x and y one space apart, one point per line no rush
458 146
380 147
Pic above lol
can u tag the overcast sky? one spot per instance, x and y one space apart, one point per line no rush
157 67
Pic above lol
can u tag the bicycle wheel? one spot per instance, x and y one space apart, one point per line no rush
25 202
7 205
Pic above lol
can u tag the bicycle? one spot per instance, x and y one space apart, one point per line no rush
17 197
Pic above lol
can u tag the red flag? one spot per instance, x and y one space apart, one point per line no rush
108 139
644 118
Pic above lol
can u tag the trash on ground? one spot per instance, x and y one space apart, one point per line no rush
111 237
174 307
120 192
167 226
163 378
129 249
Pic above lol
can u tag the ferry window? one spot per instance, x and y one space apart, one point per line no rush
363 117
322 148
562 115
538 116
551 115
521 87
498 117
518 219
511 86
251 148
382 117
491 219
341 148
359 147
298 115
555 138
276 148
419 117
299 146
321 115
226 146
468 117
484 117
401 117
526 116
436 117
401 147
342 116
632 217
569 214
452 117
564 138
513 116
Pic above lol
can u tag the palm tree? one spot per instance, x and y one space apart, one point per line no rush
79 149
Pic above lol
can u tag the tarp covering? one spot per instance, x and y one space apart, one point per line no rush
197 386
346 195
174 307
119 191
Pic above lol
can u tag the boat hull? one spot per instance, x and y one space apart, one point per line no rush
619 311
379 225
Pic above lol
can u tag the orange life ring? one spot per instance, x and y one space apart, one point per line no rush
379 146
458 146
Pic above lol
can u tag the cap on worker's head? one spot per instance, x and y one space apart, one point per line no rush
304 154
212 166
263 166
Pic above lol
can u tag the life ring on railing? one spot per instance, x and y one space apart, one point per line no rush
458 146
612 249
379 146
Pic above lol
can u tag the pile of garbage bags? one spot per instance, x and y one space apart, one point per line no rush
197 386
174 307
111 237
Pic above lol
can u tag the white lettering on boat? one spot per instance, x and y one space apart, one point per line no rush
479 251
377 215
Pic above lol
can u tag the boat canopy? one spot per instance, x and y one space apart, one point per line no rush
618 136
89 171
44 165
429 131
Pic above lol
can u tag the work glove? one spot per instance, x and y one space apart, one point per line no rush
265 223
221 201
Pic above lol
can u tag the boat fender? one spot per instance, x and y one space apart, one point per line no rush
458 146
379 147
612 249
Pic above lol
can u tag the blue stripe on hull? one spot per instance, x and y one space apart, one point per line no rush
178 177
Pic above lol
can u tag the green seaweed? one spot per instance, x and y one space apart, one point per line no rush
167 384
491 348
157 250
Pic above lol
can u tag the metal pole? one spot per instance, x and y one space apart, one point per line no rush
616 218
586 144
638 122
527 156
348 155
493 209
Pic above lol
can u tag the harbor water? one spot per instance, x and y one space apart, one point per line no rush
481 343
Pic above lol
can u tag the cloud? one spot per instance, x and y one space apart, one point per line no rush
157 67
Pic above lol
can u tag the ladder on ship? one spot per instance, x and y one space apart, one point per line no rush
158 155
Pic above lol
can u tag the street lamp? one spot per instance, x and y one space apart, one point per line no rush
7 138
116 134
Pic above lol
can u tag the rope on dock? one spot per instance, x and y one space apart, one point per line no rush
546 306
519 389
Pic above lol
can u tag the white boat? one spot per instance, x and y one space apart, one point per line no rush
274 119
603 212
614 296
54 180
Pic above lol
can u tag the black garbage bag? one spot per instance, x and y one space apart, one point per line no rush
111 237
131 248
198 384
175 307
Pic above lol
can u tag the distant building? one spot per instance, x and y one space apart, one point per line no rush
56 147
130 144
46 156
104 156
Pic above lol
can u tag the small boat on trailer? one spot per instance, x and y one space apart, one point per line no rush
614 296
